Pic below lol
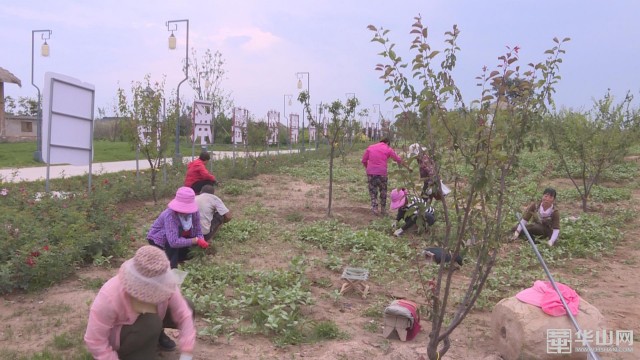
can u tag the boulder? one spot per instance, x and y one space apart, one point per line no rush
520 329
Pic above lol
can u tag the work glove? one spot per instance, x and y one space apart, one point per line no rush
394 224
202 243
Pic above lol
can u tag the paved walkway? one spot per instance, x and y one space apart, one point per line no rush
60 171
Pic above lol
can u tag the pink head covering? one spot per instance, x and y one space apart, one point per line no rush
148 276
542 294
184 202
397 198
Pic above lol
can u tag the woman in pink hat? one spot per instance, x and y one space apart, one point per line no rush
409 207
178 227
132 308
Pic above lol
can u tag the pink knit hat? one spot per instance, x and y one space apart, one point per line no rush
397 198
147 276
184 202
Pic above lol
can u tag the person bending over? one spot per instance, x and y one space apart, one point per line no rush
197 174
177 228
213 212
409 207
131 310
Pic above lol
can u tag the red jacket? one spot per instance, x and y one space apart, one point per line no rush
197 171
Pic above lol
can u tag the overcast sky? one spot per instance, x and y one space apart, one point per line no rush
112 43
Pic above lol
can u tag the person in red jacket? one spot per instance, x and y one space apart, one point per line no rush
197 174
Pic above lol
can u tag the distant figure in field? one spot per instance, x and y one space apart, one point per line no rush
437 254
541 218
197 174
375 159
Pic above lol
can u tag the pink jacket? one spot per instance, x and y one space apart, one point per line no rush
112 309
376 156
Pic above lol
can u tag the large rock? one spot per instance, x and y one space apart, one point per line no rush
520 329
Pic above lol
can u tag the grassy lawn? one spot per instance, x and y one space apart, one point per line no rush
20 155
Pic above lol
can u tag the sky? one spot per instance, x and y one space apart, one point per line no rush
111 43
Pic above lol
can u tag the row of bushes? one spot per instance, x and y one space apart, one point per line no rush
45 238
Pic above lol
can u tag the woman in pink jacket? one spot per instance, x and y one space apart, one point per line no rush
132 309
375 161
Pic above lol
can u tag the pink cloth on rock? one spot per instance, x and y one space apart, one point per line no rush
543 295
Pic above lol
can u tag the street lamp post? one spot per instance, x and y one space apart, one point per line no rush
379 112
172 46
44 51
300 75
284 113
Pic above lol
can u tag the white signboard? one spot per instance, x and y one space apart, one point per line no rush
202 120
144 134
293 128
239 125
273 119
312 133
325 125
67 120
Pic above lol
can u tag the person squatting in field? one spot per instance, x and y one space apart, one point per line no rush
178 228
128 316
197 174
541 218
213 213
409 207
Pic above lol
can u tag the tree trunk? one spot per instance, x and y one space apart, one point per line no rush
153 184
330 179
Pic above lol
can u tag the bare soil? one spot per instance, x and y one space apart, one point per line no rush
31 321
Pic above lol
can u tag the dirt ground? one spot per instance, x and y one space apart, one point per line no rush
30 321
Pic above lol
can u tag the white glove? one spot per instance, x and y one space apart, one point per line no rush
394 224
186 357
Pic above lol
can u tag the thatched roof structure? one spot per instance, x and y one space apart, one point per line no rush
5 76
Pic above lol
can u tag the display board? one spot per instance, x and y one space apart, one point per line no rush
67 120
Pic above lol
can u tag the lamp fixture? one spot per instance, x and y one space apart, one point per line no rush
45 49
172 41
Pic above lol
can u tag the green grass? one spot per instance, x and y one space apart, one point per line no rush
20 154
14 155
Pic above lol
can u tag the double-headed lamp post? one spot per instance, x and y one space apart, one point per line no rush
300 75
172 46
284 114
44 51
